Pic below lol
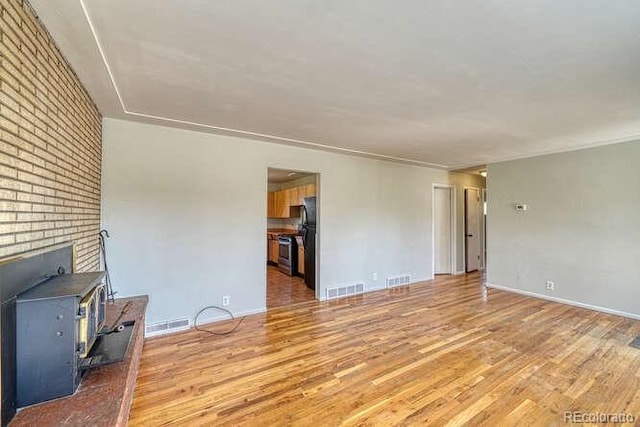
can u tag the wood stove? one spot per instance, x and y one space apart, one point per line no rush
18 274
53 328
57 323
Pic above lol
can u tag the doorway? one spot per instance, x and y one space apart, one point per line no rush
472 229
290 237
443 229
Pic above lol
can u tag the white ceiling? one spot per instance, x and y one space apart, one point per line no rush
279 176
442 83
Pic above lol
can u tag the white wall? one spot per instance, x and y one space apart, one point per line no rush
186 212
582 229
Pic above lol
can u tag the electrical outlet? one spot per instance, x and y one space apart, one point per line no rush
375 276
225 300
550 285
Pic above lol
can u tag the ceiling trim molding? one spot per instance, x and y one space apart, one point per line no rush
238 132
593 144
94 33
295 142
326 147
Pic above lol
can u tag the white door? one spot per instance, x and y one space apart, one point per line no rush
472 210
442 230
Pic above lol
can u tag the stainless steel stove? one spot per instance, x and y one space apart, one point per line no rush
287 254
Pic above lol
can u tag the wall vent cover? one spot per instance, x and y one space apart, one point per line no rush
402 280
345 291
166 327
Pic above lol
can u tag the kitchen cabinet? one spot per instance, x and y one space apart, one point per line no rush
272 248
309 190
281 205
293 195
271 208
284 203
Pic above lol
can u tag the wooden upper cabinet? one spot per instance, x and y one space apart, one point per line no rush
274 204
284 204
287 196
294 196
308 190
271 195
281 207
280 203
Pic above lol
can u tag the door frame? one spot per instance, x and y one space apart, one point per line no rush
483 200
318 223
464 227
318 236
452 194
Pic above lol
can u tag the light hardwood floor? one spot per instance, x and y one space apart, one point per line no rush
446 351
283 290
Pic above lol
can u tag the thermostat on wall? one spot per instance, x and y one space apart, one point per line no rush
521 207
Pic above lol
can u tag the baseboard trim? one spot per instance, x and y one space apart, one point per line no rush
565 301
459 273
378 287
206 321
222 317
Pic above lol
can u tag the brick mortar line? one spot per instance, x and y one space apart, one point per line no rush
94 148
57 175
88 159
15 233
4 199
16 179
92 199
30 14
44 234
53 143
67 104
68 108
71 236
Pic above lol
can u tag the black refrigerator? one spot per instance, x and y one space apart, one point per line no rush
309 241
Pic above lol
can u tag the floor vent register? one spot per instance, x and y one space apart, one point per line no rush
165 327
394 281
345 291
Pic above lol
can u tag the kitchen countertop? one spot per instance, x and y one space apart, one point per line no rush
275 232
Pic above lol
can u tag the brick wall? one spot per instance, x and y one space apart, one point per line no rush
50 144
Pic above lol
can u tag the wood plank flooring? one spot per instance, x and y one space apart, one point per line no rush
284 290
446 352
